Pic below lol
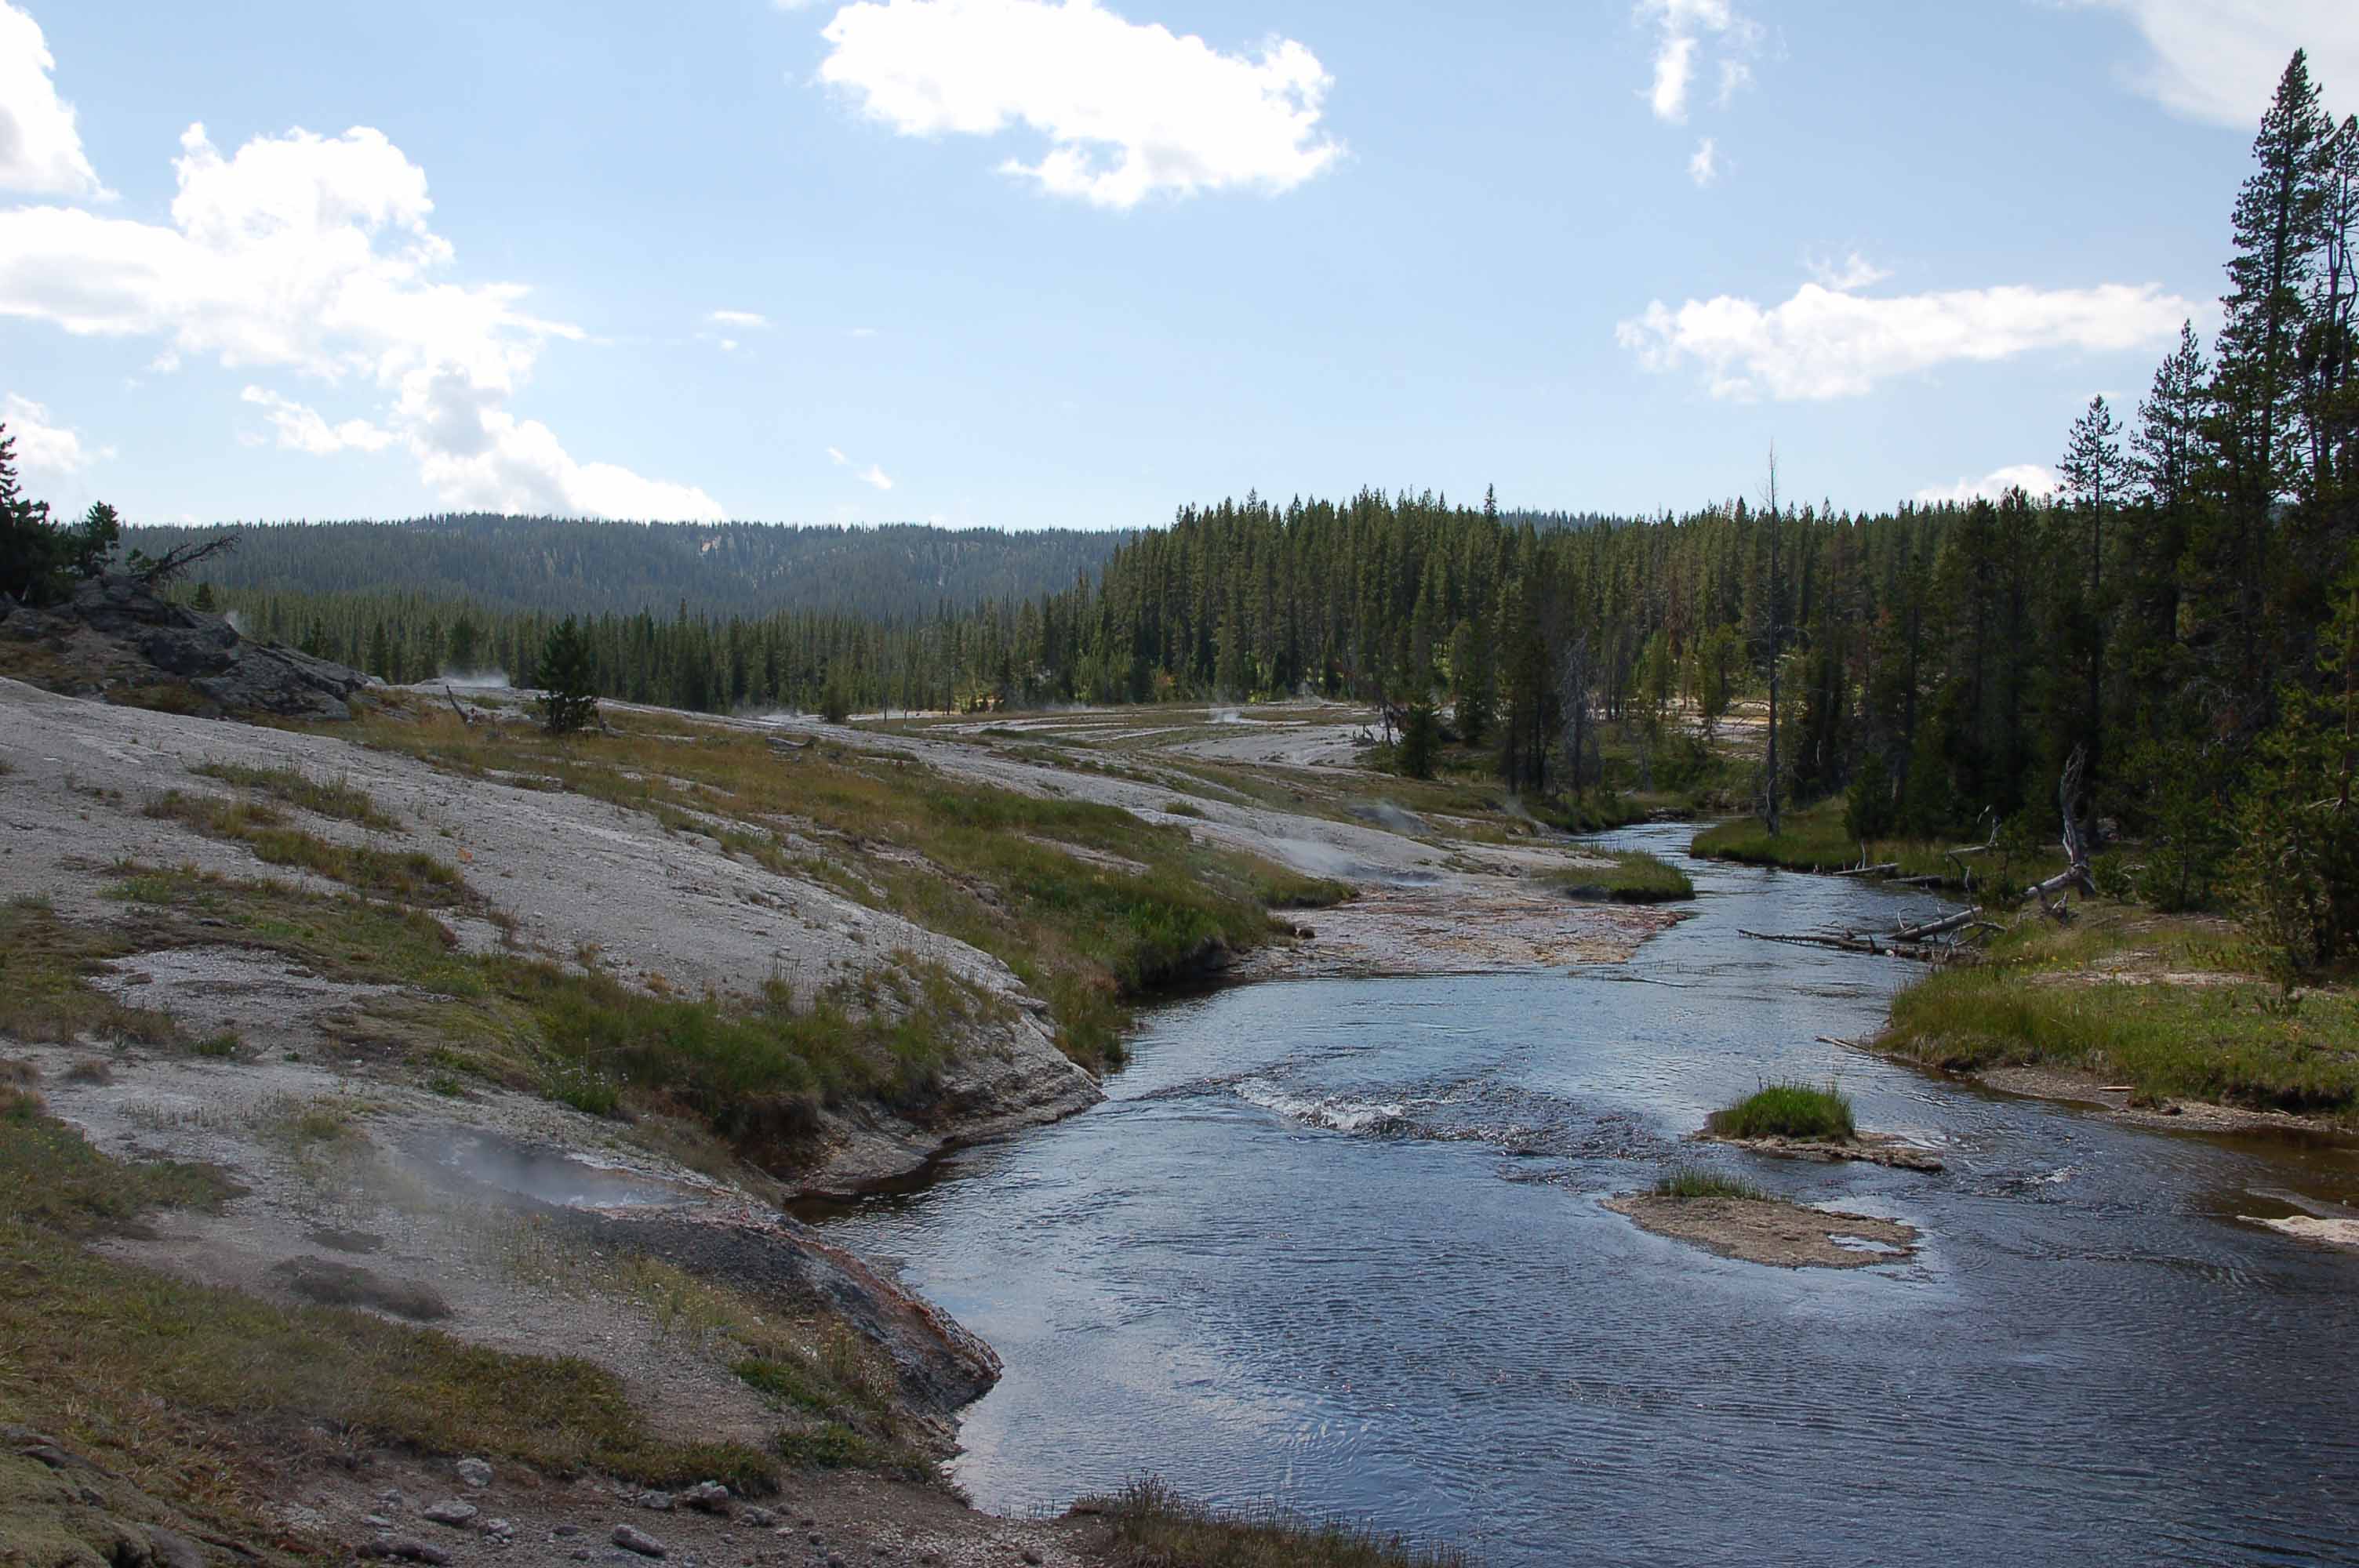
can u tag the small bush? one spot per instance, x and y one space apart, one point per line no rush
1786 1110
1155 1528
1634 877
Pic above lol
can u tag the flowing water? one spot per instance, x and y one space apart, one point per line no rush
1338 1245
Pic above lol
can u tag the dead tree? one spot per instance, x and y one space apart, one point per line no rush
158 571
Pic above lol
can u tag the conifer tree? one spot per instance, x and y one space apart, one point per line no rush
569 700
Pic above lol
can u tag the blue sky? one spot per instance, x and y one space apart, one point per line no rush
1021 263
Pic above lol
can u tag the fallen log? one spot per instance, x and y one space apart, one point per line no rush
1884 869
1941 928
1851 942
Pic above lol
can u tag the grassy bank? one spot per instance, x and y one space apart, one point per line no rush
1089 906
1815 839
201 1396
2176 1006
1632 876
1151 1528
1688 1183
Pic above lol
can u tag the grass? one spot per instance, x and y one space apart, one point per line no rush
323 797
753 1070
1786 1110
409 876
1633 876
198 1393
1154 1528
1815 839
1022 878
2096 997
1686 1182
45 964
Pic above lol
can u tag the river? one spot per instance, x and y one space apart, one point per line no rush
1338 1245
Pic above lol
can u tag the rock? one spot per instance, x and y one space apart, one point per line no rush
391 1497
707 1497
1032 1556
401 1548
475 1472
376 1521
659 1501
566 1531
758 1516
449 1512
631 1540
499 1529
171 1550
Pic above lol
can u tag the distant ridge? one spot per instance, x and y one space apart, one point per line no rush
576 566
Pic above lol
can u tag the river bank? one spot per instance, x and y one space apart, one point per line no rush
516 1051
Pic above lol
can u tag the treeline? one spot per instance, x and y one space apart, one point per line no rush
2187 610
581 565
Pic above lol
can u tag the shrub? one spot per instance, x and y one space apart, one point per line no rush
1786 1110
1687 1182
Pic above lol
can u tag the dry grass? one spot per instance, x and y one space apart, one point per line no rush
45 995
408 876
332 799
1152 1528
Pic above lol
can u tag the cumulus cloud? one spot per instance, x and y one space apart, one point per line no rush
43 445
748 321
837 457
875 475
2219 59
304 429
2033 478
41 151
1680 27
1129 109
1704 167
315 256
1826 342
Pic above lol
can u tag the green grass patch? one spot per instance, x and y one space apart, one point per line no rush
1815 839
1786 1110
1154 1528
1633 876
292 787
2175 1006
1684 1181
45 964
408 876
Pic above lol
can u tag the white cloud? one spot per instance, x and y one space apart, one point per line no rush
42 446
314 254
1827 343
747 320
305 430
1129 109
41 151
1704 167
1680 27
2033 478
2219 59
837 457
874 475
1855 271
863 331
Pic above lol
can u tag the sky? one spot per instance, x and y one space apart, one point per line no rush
1076 263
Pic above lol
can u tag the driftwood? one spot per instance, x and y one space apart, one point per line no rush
1941 927
1852 942
464 718
2075 873
1883 870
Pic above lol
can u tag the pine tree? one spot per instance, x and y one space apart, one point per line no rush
569 699
2093 472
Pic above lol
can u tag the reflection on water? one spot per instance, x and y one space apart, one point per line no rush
1338 1245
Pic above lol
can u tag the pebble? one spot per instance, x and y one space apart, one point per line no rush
449 1512
391 1497
566 1531
631 1540
1032 1557
659 1501
758 1516
707 1497
475 1472
376 1521
400 1548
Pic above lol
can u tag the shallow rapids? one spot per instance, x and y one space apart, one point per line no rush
1339 1245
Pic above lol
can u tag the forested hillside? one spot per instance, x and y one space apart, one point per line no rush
579 565
2187 609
